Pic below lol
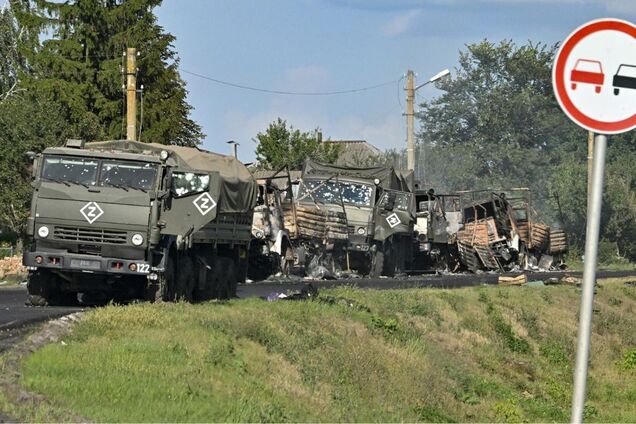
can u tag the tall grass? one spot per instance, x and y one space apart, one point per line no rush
484 354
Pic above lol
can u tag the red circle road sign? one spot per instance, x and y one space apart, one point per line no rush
594 76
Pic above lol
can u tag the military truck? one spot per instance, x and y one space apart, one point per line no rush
124 218
358 219
438 219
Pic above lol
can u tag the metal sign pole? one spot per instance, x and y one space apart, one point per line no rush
589 278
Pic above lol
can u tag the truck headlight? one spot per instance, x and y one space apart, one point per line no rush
362 231
137 239
43 231
164 155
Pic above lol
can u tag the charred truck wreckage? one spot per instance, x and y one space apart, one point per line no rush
333 221
136 219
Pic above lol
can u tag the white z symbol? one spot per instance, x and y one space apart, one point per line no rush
204 203
91 211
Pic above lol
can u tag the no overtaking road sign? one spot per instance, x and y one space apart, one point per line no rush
594 76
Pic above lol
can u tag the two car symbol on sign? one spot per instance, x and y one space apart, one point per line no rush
587 71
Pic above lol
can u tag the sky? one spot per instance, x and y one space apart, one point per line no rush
338 45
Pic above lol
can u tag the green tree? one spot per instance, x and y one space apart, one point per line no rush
79 62
26 123
10 59
279 146
497 119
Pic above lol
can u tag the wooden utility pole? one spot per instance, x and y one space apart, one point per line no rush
410 97
131 93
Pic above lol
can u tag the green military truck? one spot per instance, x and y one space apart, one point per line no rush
123 218
360 219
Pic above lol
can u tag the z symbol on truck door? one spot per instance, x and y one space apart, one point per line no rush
204 203
91 211
393 220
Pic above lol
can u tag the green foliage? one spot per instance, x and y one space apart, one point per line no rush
629 360
280 146
78 66
11 62
515 343
497 117
26 123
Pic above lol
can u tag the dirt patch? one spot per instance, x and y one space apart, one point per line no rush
51 332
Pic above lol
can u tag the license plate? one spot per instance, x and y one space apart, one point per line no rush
85 264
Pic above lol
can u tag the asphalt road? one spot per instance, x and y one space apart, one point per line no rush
15 315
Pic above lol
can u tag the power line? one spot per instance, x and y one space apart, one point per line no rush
288 93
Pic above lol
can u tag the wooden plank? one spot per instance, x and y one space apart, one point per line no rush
518 280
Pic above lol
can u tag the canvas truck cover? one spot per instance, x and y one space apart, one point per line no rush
238 187
389 178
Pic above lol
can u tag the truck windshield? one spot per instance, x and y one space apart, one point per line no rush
75 170
137 175
330 192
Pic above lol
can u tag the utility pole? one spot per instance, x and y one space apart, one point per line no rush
410 97
131 93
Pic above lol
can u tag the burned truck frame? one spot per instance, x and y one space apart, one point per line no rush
124 218
358 219
271 250
438 219
501 231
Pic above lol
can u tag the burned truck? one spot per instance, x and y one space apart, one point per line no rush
438 220
123 218
272 251
353 219
501 231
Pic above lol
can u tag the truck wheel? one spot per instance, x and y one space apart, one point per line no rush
225 278
39 288
377 262
389 259
185 279
43 291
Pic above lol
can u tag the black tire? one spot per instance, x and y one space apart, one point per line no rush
162 290
389 259
226 278
377 262
185 283
43 290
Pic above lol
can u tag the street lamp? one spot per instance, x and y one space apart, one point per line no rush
410 97
234 145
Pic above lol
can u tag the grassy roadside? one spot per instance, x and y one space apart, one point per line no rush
478 354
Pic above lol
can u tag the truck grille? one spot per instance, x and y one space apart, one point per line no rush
90 235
